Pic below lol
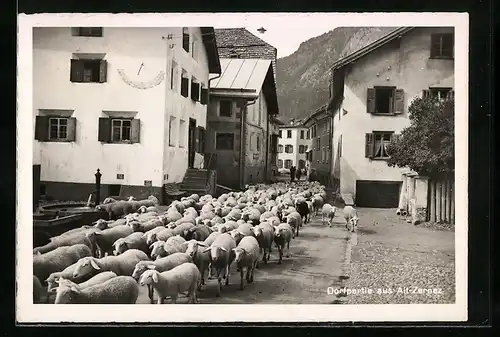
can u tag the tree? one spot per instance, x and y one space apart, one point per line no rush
427 145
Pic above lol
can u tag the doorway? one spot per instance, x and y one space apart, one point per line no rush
191 142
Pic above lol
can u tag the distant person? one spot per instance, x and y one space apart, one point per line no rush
292 173
299 173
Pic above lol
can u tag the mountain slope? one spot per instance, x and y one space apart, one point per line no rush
302 77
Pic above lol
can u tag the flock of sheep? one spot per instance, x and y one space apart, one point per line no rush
171 251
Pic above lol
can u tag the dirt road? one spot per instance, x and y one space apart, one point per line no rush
316 260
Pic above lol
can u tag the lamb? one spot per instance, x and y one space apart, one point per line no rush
198 233
328 212
195 249
122 264
317 203
58 259
160 265
104 240
79 237
283 234
264 233
303 209
133 241
221 257
173 244
139 226
294 219
117 290
351 218
247 256
185 277
37 290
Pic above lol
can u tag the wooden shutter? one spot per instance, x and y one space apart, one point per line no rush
399 101
202 139
195 91
204 96
184 86
426 93
185 41
103 71
370 100
42 128
71 131
104 133
135 130
76 71
369 145
451 95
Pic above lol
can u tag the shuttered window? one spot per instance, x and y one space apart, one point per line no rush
88 71
184 86
376 144
119 130
384 100
442 45
185 39
55 128
195 90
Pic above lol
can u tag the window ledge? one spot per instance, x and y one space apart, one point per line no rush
441 58
57 141
125 142
384 158
385 114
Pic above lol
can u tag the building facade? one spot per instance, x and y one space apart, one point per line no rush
293 144
371 91
319 127
129 101
274 125
239 129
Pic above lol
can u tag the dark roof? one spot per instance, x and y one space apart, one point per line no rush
210 43
277 120
371 47
315 114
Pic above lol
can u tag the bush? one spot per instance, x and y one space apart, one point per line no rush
427 145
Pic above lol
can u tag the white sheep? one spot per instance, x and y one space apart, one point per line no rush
283 234
318 202
221 257
160 265
173 244
351 218
58 259
327 214
247 257
97 279
294 219
264 233
147 236
161 235
196 250
133 241
117 290
185 277
123 264
104 240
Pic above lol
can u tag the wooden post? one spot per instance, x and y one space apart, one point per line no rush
438 201
98 187
452 202
432 201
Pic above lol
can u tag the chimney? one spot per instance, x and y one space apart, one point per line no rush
292 121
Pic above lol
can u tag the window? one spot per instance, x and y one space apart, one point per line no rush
288 133
185 39
174 74
318 144
182 133
280 163
184 84
442 45
88 31
439 93
88 71
172 131
385 100
288 148
288 163
280 134
301 149
308 134
258 143
280 148
302 164
119 130
376 144
55 128
224 141
195 90
225 107
313 131
301 134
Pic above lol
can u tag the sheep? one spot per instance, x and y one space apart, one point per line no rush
247 256
138 226
58 259
79 237
161 265
264 233
185 277
318 202
122 264
133 241
198 233
162 235
182 229
283 234
294 219
172 245
351 218
117 290
328 213
242 231
221 257
195 249
149 234
67 274
311 209
303 209
37 290
117 209
264 216
97 279
211 238
230 225
104 240
171 216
